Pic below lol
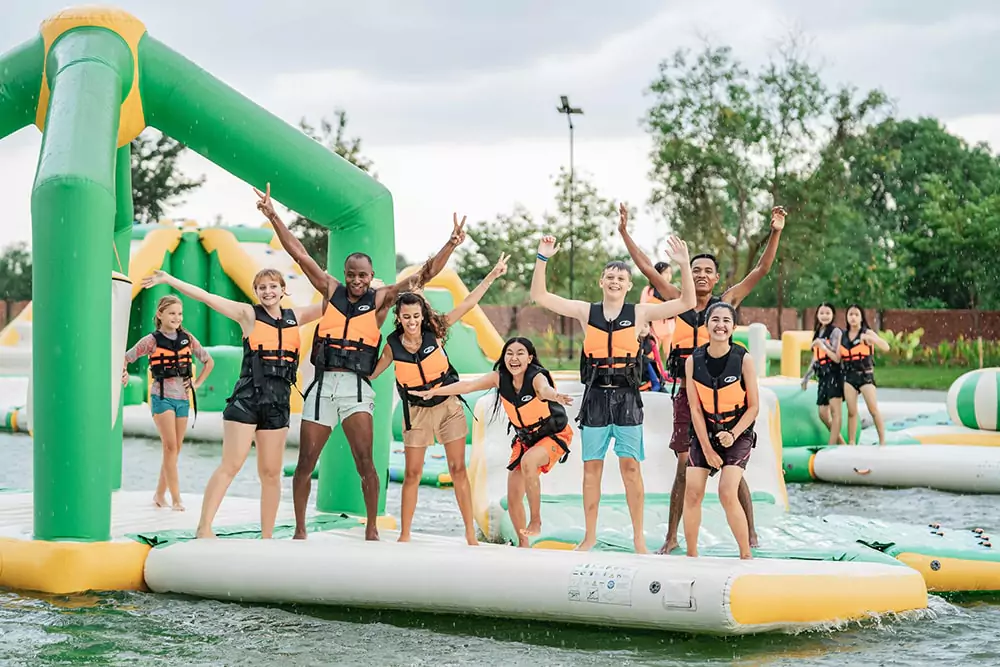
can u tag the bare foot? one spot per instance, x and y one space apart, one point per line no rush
402 537
586 545
640 546
668 547
300 534
754 541
533 529
692 554
371 533
523 543
159 501
470 539
746 556
204 534
177 506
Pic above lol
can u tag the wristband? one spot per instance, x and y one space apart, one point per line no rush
542 257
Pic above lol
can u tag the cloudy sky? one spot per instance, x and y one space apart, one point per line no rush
455 100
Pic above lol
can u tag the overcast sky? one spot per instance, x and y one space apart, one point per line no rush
455 100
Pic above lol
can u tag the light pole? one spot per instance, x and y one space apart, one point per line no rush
569 111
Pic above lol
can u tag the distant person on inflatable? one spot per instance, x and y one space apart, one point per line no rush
171 352
653 376
345 351
689 333
416 348
663 330
829 375
857 355
258 409
611 371
724 404
542 434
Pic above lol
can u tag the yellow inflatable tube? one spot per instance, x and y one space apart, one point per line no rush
60 568
793 343
486 334
149 257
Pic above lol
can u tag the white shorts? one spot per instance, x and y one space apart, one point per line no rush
338 399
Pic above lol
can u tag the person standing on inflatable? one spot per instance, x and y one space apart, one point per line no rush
857 355
826 366
345 351
416 349
611 371
724 402
689 333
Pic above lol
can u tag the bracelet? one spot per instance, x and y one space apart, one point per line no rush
542 257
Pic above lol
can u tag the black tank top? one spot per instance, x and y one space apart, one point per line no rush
717 364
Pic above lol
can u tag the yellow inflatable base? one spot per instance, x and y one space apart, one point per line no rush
61 568
944 575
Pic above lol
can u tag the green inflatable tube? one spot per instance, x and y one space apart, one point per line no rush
124 212
190 264
20 85
800 422
797 464
73 211
221 329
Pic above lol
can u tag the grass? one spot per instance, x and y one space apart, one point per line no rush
917 377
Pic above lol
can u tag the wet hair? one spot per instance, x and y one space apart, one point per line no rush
660 266
706 255
501 368
431 320
725 306
827 329
359 255
617 265
164 303
273 274
864 320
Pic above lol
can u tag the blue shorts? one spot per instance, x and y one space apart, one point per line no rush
596 439
177 406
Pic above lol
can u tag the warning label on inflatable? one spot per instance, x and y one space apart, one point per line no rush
601 584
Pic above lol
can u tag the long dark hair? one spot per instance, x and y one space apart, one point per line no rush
432 320
864 320
826 329
501 368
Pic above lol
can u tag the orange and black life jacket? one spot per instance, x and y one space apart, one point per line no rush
820 355
690 332
723 397
171 358
347 339
271 352
611 355
856 355
532 418
424 369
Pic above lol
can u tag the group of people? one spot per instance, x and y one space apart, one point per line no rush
715 401
844 366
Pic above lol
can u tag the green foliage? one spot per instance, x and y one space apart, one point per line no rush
333 135
157 182
15 272
902 346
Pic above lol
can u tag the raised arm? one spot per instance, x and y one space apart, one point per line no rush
469 302
678 252
383 362
385 297
242 313
307 314
489 381
735 294
322 281
540 293
698 419
875 340
547 392
646 267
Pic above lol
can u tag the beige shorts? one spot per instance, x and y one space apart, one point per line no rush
444 422
338 399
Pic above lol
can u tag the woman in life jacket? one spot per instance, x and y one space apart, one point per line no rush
722 391
663 330
829 375
542 434
258 409
857 356
417 349
653 376
171 351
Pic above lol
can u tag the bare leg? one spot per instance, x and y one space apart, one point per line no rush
746 502
531 462
455 452
592 473
871 400
236 441
270 457
824 415
677 494
635 496
358 430
312 439
411 484
836 421
170 471
729 484
515 505
168 439
851 398
694 494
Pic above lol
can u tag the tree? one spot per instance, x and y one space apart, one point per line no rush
401 262
157 182
332 135
15 273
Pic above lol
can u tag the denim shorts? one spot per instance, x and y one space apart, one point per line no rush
177 406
